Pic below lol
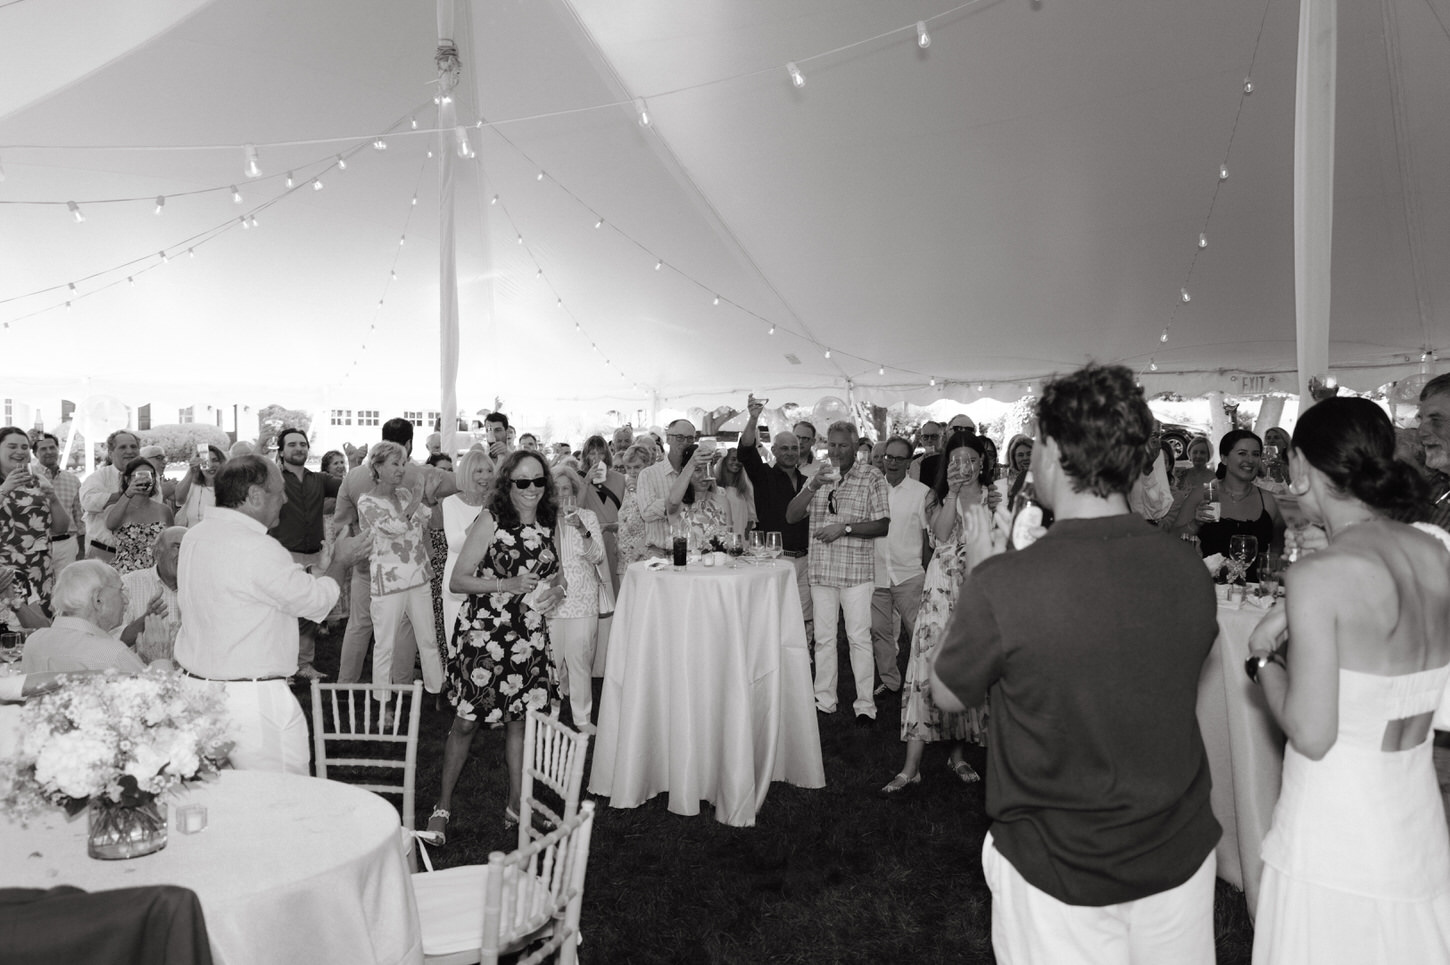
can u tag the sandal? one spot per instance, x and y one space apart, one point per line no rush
437 830
900 783
964 771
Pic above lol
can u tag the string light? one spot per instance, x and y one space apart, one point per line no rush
923 39
1248 85
881 370
72 287
642 110
772 330
130 281
402 240
243 220
415 201
191 252
1152 366
1183 294
464 149
659 265
253 220
796 77
828 353
317 184
1202 240
1223 172
521 239
393 275
252 167
599 223
341 163
380 145
236 195
413 123
1164 336
164 258
290 181
540 176
75 211
932 380
716 300
160 203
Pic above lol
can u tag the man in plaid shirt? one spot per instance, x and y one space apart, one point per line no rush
1434 433
849 505
64 549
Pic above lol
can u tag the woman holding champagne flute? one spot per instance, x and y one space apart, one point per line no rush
1233 505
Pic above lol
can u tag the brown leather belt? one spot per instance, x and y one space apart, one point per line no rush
794 554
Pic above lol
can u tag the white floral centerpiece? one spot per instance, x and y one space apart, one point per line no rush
116 743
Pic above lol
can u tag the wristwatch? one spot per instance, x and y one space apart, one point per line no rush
1254 664
848 529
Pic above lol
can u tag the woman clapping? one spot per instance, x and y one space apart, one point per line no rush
1353 667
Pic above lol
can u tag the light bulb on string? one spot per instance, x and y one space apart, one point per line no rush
881 370
402 240
539 273
75 211
931 381
1202 240
772 330
290 180
923 39
243 220
341 163
642 110
72 287
539 176
236 195
1248 85
460 133
1164 336
599 223
380 145
659 265
392 276
430 154
1183 294
253 220
828 353
521 239
164 258
980 389
130 281
716 300
251 166
415 201
558 303
493 200
796 77
67 306
191 252
317 184
1152 365
413 123
1223 172
160 203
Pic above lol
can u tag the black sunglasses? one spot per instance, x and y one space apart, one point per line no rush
526 483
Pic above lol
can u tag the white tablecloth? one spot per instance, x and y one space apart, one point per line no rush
1245 751
289 870
707 694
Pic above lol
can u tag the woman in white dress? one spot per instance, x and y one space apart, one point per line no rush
1357 861
474 476
574 626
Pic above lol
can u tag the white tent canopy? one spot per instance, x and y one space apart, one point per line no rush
1023 195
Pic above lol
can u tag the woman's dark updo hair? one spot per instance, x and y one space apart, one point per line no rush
1226 446
955 441
1352 442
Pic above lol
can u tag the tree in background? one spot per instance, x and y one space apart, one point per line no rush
180 440
274 418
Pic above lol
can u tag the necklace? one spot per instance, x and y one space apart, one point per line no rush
1342 529
1240 497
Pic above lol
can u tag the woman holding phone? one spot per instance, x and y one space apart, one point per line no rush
136 519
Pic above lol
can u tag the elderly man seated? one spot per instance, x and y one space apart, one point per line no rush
152 615
89 601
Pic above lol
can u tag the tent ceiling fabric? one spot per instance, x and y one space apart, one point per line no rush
1020 197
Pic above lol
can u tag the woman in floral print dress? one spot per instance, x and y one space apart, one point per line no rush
30 512
498 656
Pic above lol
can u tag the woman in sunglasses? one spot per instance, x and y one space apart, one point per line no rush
498 656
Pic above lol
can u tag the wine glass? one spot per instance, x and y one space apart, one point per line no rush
757 546
773 547
1242 549
10 647
734 547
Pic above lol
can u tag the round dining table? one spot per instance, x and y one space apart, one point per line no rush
707 692
289 869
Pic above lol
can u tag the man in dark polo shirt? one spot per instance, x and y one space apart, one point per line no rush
1102 841
299 527
775 486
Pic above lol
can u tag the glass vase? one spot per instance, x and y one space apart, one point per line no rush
118 831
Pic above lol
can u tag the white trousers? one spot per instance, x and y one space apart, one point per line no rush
572 641
1030 927
63 553
855 603
387 611
267 725
803 585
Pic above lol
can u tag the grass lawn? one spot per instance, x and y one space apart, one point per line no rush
835 874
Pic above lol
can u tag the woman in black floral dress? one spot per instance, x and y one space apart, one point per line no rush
30 512
498 656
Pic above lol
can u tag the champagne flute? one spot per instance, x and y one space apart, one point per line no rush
773 547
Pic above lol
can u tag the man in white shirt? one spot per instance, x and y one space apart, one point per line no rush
655 483
1151 496
102 488
899 573
89 599
622 439
153 615
241 596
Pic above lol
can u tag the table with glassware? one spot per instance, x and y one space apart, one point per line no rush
1245 746
707 693
289 869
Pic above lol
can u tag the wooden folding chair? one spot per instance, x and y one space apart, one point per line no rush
534 894
554 765
371 743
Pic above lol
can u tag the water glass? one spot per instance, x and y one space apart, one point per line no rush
773 546
10 646
1211 500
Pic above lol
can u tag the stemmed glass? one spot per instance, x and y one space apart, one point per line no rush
10 647
1242 549
734 548
756 549
773 547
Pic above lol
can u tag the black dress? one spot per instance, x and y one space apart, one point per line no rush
1213 537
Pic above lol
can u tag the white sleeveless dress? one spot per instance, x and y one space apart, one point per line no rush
1357 861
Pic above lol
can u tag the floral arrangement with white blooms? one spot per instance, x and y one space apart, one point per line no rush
123 739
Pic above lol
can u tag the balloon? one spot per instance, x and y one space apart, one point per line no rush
829 409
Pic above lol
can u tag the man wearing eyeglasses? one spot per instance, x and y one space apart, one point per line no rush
899 571
805 434
934 440
775 486
929 438
849 506
655 483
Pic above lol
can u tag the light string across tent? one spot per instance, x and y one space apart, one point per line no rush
1185 294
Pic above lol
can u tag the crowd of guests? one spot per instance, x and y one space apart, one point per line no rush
495 572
